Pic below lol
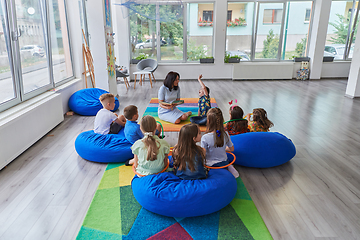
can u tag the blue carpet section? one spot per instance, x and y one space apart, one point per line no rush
89 233
113 165
129 209
148 224
202 228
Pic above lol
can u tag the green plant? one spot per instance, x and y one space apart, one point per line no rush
227 57
195 52
142 56
342 26
271 45
207 57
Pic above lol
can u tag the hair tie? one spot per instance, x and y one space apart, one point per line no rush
232 107
218 133
148 134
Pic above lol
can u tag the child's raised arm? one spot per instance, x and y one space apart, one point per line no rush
203 85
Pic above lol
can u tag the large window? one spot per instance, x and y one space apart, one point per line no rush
296 30
342 29
163 24
26 56
272 16
239 29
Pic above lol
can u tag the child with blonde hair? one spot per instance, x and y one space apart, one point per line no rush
216 141
260 122
237 124
150 152
107 122
189 159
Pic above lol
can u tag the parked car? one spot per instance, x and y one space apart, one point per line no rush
337 51
148 44
244 56
34 50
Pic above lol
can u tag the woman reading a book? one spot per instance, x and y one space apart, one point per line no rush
169 98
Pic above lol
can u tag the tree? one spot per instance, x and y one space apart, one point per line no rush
271 45
300 47
341 29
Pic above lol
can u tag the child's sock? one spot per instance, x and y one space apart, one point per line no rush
233 171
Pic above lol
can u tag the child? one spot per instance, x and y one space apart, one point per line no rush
189 159
260 122
203 103
150 152
216 141
107 122
238 125
132 128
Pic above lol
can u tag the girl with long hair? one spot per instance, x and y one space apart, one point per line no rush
150 152
237 124
260 122
216 141
189 159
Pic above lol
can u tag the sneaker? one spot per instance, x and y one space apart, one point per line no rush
162 137
233 171
127 163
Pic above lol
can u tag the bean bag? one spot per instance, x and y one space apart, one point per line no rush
108 148
262 149
86 101
168 195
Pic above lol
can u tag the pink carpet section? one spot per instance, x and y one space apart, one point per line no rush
174 232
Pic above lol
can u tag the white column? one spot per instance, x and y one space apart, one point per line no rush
318 36
96 26
220 32
353 84
122 39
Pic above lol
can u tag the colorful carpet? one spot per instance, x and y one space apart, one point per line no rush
115 214
190 104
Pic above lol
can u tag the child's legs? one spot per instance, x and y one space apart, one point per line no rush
200 120
115 128
220 164
233 171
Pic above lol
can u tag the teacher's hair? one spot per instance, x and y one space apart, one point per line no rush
170 79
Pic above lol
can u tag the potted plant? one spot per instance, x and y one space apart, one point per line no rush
139 58
231 59
207 60
301 59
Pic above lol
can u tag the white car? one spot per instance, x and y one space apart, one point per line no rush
34 50
148 44
337 51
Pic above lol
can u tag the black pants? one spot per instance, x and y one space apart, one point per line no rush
201 120
115 128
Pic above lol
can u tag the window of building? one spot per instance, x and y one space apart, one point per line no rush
307 14
229 15
272 16
208 16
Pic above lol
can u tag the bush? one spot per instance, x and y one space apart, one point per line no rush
271 45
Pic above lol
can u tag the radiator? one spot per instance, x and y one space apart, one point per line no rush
21 129
263 70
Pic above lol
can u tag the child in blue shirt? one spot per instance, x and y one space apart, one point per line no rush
203 103
132 129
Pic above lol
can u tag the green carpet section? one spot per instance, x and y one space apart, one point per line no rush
231 226
104 211
88 233
251 218
113 165
110 179
130 209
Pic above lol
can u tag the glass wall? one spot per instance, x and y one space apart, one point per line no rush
342 22
26 57
297 29
239 29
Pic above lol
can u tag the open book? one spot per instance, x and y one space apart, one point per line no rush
176 102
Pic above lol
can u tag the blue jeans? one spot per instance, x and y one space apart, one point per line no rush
221 164
201 120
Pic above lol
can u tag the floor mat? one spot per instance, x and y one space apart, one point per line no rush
115 214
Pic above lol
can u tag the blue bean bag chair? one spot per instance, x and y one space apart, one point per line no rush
262 149
86 101
168 195
110 148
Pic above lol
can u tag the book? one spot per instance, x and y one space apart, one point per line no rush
176 102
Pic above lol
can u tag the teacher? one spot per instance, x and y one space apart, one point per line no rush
169 92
